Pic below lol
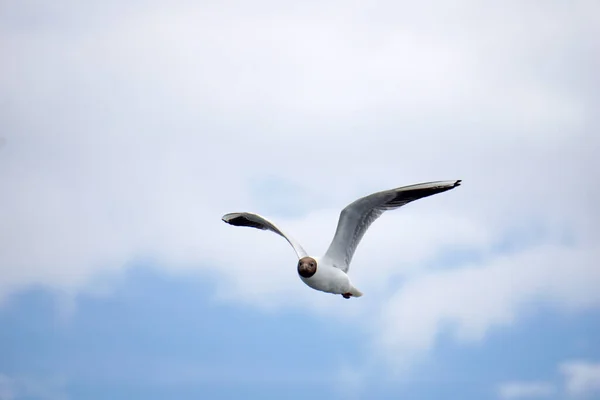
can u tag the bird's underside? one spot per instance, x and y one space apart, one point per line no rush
353 222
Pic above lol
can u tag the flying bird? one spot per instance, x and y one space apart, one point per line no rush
329 273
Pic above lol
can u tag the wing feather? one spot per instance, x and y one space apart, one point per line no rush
252 220
356 218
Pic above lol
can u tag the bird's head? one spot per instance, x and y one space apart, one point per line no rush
307 267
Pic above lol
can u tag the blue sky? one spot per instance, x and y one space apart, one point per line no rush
127 129
158 336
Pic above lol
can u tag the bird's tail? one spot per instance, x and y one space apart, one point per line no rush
355 292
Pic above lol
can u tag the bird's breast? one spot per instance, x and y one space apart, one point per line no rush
328 279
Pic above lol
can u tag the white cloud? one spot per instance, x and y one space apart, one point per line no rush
581 377
525 390
469 301
130 132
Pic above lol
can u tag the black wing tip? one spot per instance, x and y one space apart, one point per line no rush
458 182
240 219
227 218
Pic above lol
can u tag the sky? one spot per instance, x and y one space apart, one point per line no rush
128 128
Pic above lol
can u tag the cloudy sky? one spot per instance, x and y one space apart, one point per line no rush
128 128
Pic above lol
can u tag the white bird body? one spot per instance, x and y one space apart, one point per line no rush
329 272
330 279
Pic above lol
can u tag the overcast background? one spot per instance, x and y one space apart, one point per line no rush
127 129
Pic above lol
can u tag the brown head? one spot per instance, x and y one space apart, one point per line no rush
307 267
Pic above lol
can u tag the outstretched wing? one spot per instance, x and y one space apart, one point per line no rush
256 221
356 218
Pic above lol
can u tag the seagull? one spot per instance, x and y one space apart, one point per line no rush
329 273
